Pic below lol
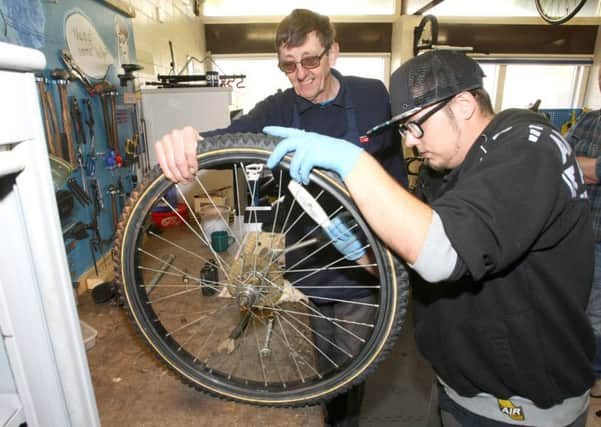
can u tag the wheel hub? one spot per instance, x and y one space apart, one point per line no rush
258 280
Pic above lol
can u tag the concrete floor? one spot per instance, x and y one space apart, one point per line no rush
133 389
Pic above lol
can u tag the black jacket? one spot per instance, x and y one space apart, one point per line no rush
511 321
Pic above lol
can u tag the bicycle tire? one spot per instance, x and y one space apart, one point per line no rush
557 12
155 327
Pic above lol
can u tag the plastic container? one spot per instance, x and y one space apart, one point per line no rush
167 219
89 335
214 218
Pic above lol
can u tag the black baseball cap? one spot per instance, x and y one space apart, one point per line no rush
427 79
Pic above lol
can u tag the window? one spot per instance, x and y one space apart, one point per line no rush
557 85
554 85
491 79
284 7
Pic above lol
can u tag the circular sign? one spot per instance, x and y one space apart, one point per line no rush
87 48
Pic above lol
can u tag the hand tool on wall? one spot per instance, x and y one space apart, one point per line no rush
108 101
128 75
76 231
54 143
106 116
97 196
65 203
80 139
122 194
90 165
114 192
81 196
113 97
95 241
41 83
62 78
58 148
75 71
77 120
132 158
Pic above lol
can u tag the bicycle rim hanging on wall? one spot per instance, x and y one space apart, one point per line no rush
558 12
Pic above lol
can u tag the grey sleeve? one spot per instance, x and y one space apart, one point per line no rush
437 260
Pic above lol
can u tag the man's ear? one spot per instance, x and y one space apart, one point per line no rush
333 54
465 105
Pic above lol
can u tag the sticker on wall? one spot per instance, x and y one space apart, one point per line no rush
87 48
122 40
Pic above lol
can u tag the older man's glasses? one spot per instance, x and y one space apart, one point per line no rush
414 127
308 63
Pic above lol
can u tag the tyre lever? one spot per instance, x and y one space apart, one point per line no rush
309 204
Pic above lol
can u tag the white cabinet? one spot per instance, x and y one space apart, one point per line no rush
44 374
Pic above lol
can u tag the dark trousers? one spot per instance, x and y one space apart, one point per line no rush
344 409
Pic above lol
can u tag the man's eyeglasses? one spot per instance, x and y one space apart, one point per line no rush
415 126
308 63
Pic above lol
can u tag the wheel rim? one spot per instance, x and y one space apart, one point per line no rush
558 11
246 345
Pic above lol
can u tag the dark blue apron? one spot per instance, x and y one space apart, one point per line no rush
350 277
351 134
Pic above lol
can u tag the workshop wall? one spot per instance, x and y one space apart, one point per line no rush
156 23
41 25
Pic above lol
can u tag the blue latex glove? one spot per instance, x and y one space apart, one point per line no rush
344 239
312 150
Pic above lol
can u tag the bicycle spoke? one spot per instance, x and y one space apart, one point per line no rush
187 325
324 268
342 267
224 266
323 337
292 353
310 342
259 354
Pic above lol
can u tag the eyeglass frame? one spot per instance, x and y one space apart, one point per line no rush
321 55
414 127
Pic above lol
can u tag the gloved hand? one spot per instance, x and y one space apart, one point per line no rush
312 150
344 239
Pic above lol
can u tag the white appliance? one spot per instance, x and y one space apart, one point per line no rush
164 109
44 374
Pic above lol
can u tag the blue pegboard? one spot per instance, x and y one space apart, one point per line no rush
560 116
40 24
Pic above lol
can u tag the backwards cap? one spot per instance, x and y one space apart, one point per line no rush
429 78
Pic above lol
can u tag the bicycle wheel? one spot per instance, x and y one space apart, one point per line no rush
425 35
558 11
241 322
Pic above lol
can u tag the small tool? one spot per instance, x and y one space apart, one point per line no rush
308 203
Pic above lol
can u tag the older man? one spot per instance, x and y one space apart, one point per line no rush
320 100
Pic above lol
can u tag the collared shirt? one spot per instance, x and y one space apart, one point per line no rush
585 138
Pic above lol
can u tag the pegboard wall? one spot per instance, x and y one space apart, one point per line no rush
562 118
41 25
